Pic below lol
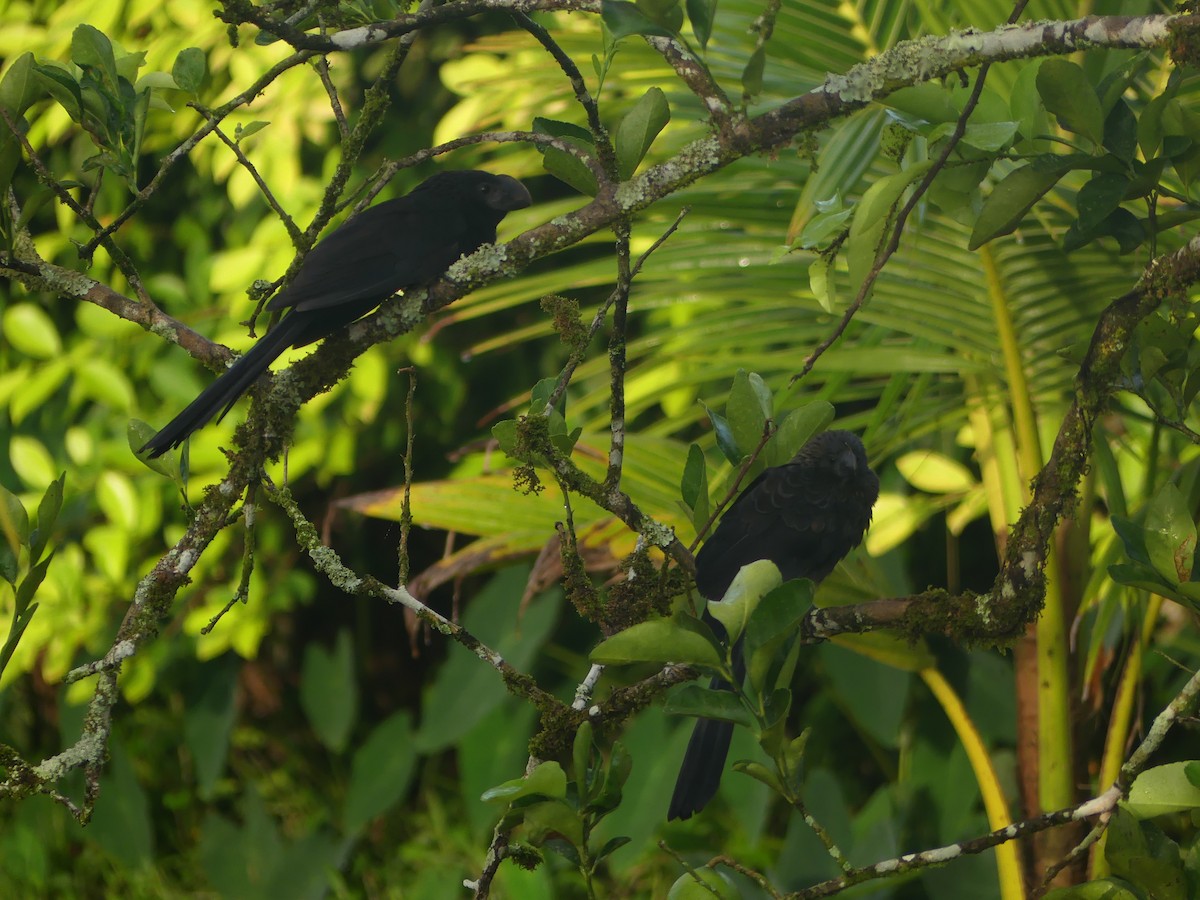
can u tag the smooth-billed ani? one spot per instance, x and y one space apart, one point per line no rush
384 249
804 516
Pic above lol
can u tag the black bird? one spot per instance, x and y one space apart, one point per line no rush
804 516
388 247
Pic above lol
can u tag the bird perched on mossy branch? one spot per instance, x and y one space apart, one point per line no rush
803 516
394 245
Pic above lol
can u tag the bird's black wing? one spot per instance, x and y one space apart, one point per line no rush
386 247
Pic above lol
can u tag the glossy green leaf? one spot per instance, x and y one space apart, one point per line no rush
1099 197
701 14
706 703
726 442
1067 94
14 520
189 69
18 89
47 515
1139 852
703 884
681 639
773 627
1170 534
91 48
744 410
1014 196
567 167
1163 790
694 487
624 19
751 584
546 780
62 86
752 74
872 217
638 130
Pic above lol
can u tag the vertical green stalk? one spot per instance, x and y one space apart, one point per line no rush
1056 783
994 804
1122 718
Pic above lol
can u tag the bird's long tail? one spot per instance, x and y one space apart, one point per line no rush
704 759
219 397
703 763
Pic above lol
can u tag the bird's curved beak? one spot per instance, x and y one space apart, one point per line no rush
510 194
846 465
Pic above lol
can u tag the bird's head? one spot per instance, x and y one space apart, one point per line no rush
840 453
504 193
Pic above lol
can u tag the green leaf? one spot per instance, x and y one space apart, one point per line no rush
29 585
189 69
612 786
1162 790
638 130
546 780
1141 577
48 509
703 884
681 639
464 692
14 520
1015 195
137 433
694 486
1170 535
62 86
1103 889
746 412
773 627
18 89
1099 197
822 283
725 440
1149 125
581 754
935 473
706 703
91 49
701 14
329 692
752 582
1142 854
240 133
611 845
762 773
29 330
1067 94
1121 132
752 74
623 19
872 217
666 13
380 772
562 165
